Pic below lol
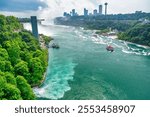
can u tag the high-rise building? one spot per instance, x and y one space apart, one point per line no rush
95 12
34 26
65 14
100 9
106 8
85 12
73 12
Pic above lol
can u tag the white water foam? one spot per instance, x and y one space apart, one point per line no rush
137 49
124 46
80 34
56 83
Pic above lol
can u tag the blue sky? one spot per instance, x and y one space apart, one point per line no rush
20 5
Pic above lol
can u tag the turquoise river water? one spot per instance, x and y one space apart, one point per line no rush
82 69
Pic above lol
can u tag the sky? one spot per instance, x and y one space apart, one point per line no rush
53 8
20 5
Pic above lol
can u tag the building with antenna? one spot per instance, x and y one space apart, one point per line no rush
106 8
96 12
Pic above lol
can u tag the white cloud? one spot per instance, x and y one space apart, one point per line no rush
40 8
127 6
57 7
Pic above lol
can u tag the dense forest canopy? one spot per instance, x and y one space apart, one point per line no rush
139 34
22 61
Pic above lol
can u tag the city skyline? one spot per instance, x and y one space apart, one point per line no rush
54 8
99 11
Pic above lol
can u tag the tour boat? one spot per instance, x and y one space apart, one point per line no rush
110 48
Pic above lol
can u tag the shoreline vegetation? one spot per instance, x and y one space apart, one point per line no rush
23 60
133 27
107 33
44 44
138 33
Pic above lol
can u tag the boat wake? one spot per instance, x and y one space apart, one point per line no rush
126 47
131 48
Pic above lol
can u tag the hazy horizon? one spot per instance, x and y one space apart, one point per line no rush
52 8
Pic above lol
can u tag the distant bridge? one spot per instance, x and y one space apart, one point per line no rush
28 20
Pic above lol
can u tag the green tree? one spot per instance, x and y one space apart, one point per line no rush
25 88
11 92
3 54
26 56
138 34
5 36
6 66
3 23
2 84
7 90
22 61
13 23
14 52
21 68
36 71
10 78
2 66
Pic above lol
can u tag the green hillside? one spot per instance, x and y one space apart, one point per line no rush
22 61
139 34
